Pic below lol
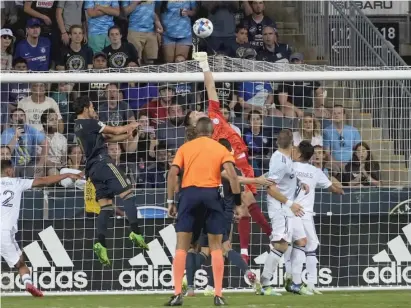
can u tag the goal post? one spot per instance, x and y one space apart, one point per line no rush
364 235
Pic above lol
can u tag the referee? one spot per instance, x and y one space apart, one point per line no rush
200 202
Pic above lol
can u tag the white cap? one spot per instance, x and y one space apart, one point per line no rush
6 31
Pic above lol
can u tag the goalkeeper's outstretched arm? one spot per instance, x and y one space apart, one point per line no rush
209 83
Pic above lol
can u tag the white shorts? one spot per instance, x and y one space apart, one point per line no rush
9 249
309 228
288 228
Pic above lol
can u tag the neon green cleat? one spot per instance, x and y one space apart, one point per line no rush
101 253
138 240
209 291
184 285
270 292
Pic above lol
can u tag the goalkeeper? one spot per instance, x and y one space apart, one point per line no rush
222 129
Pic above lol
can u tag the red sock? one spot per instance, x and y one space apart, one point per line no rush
259 218
244 230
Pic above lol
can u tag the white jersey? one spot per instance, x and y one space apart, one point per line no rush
313 177
282 173
10 198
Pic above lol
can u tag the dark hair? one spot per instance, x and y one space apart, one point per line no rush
113 84
370 164
80 103
306 150
112 28
240 27
71 147
225 143
6 164
340 106
5 147
76 27
191 133
45 114
285 138
15 110
19 60
187 119
253 112
204 126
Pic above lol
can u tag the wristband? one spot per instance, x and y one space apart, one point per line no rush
170 201
237 199
205 67
289 203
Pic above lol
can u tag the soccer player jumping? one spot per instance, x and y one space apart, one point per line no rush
222 129
108 180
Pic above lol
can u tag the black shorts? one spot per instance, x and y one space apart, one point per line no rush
108 179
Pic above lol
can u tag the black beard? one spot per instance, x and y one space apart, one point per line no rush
176 121
51 129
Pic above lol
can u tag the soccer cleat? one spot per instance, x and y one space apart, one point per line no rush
219 301
190 292
269 291
184 285
101 253
254 281
209 291
314 290
33 290
300 289
138 240
175 300
287 282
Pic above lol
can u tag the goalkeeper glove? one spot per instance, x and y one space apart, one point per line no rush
202 59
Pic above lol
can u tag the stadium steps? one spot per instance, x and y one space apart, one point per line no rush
287 27
360 120
349 104
394 176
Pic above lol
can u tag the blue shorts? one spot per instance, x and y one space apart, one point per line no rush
203 240
200 206
167 40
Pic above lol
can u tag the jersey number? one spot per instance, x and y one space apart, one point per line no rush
9 196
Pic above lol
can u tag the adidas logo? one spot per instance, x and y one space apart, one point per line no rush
151 275
47 280
394 273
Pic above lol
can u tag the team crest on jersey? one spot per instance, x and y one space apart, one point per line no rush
118 60
216 121
43 50
252 30
75 62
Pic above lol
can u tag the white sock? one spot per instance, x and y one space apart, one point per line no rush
297 262
287 260
270 266
25 279
311 266
244 251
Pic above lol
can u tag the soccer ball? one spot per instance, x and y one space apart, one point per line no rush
203 28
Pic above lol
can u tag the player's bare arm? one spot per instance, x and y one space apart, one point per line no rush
336 189
53 179
118 138
119 130
172 185
296 208
209 83
245 180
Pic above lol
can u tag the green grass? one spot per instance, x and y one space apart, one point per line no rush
374 299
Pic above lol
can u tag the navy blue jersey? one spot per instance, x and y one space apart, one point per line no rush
281 53
90 139
38 58
255 30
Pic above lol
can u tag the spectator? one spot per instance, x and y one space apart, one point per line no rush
35 49
225 110
12 93
100 19
257 96
143 26
63 94
23 141
56 142
222 15
259 145
115 112
157 109
298 95
147 140
255 24
138 95
8 13
35 104
68 14
310 130
362 170
340 138
237 49
114 151
319 160
76 56
5 152
272 50
172 131
157 171
75 164
120 54
45 12
7 40
96 90
185 91
175 17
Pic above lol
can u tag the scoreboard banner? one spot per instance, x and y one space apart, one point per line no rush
355 251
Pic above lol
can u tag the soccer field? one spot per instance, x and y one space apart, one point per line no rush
373 299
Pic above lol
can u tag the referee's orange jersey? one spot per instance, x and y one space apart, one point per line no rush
201 160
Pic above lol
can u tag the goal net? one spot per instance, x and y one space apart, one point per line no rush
364 235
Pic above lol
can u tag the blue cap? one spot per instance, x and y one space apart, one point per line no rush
33 22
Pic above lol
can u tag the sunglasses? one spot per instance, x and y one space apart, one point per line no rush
9 37
342 141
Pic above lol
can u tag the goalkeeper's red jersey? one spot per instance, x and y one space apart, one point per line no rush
222 129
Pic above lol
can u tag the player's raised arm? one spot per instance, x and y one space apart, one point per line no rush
53 179
209 83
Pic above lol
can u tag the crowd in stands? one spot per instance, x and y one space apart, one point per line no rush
37 120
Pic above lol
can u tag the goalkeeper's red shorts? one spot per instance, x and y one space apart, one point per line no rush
241 162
